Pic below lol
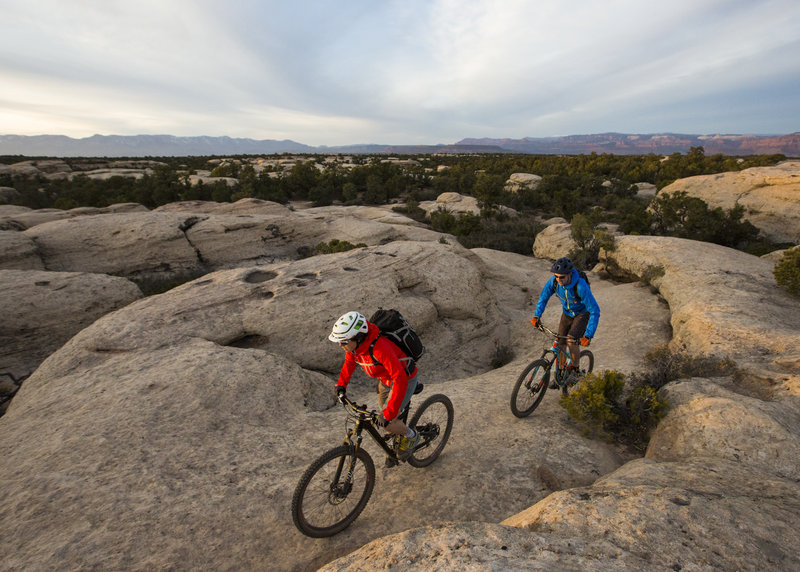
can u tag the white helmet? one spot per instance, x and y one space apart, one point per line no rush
348 326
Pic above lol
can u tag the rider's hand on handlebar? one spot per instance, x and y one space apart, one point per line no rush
535 321
340 393
381 421
586 341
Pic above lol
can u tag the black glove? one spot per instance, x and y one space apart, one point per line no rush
340 392
382 421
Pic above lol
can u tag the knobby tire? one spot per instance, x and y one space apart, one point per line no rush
530 388
317 510
434 420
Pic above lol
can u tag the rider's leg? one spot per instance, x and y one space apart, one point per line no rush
564 326
574 353
576 331
396 426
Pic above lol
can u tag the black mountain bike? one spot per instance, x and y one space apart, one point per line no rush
336 487
534 380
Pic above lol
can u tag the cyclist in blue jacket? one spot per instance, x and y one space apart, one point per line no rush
580 310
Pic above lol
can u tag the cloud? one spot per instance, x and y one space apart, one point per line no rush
395 71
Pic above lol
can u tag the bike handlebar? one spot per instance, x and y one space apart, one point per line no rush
542 328
371 416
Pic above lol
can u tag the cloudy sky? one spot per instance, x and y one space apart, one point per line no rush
338 72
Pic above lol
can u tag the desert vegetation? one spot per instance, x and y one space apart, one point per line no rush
594 188
610 405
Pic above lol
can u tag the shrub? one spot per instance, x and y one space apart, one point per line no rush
665 364
787 271
602 406
593 403
336 245
589 240
598 404
651 273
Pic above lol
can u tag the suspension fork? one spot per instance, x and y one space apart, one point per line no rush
348 440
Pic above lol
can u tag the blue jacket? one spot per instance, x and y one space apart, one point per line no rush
572 305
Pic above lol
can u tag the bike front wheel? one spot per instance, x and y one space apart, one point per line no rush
434 421
586 363
333 491
530 387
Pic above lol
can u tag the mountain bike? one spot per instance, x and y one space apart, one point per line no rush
337 486
534 380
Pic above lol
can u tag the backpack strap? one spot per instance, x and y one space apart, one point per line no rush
372 354
574 288
409 365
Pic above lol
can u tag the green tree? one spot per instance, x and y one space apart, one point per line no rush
488 190
375 193
301 179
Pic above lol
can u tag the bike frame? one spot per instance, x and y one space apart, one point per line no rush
553 353
365 421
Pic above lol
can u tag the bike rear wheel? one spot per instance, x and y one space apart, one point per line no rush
326 501
434 421
530 387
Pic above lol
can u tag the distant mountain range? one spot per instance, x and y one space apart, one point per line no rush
615 143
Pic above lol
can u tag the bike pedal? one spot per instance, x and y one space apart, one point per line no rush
390 462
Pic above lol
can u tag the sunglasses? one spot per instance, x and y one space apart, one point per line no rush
561 276
345 342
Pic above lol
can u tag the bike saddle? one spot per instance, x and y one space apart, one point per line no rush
419 388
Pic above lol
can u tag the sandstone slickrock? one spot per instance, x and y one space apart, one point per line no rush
18 252
718 488
42 310
173 431
770 196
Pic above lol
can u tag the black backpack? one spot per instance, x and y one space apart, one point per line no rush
396 329
582 274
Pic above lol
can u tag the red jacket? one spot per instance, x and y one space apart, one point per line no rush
390 371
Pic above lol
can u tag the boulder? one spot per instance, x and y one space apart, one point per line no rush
24 219
770 196
453 203
42 310
519 181
18 252
246 206
554 241
723 302
700 514
645 190
174 243
136 245
8 194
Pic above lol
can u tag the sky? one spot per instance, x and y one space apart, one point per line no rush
342 72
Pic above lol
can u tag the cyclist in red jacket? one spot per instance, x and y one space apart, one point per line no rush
357 336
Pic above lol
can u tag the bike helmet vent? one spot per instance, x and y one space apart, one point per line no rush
348 326
562 266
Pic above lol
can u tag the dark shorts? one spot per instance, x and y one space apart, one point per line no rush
574 327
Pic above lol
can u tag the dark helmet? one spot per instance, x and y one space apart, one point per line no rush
562 266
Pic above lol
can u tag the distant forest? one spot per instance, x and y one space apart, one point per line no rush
595 188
